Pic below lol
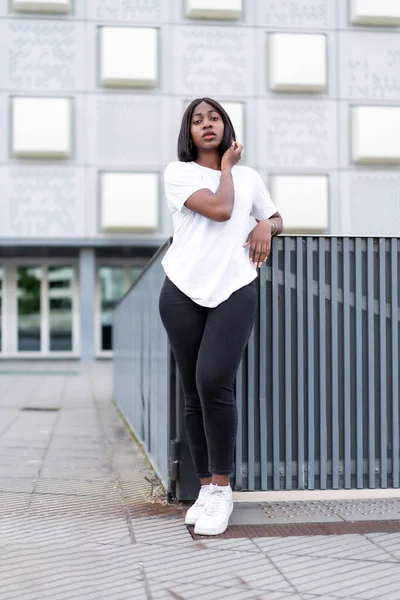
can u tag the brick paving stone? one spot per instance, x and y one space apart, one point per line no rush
354 547
77 520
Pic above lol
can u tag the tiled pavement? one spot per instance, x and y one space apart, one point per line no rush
77 520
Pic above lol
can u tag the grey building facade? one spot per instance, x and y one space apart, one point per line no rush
91 97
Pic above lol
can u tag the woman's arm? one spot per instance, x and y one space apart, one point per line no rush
276 222
259 239
218 206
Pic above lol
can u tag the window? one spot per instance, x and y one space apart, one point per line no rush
29 309
60 297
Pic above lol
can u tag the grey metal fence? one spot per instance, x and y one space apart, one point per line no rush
141 365
318 387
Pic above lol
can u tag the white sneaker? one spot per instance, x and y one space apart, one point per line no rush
197 508
215 517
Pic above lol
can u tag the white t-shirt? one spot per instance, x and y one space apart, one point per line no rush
206 260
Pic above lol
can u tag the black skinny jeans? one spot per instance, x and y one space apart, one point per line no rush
208 344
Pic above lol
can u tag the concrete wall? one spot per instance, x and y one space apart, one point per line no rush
134 129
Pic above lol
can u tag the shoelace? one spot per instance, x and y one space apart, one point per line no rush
202 497
213 501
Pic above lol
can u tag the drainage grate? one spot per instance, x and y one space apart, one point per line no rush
305 529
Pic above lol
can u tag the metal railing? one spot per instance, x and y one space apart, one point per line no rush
140 365
318 387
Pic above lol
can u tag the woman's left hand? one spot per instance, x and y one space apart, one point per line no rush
259 240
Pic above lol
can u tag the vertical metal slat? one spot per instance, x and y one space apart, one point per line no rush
310 366
288 367
334 364
239 435
395 362
371 363
322 365
383 389
251 431
263 378
347 425
300 364
275 370
359 373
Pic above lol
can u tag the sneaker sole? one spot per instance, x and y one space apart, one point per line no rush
214 530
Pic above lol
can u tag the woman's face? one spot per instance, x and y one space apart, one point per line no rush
207 127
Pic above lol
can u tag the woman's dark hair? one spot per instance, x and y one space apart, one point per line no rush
187 151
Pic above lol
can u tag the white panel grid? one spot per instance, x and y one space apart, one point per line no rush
302 201
214 9
129 201
297 62
42 6
375 134
41 127
128 57
375 12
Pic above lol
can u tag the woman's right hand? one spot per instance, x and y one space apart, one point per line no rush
232 156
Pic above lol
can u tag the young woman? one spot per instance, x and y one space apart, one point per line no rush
208 300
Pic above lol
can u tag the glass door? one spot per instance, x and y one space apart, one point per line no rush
60 306
29 309
112 288
113 280
45 316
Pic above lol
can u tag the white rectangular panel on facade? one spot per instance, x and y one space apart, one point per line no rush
42 6
375 12
128 57
302 201
297 62
376 134
129 201
214 9
41 127
235 112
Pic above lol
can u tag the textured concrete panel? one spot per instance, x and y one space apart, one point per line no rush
128 11
297 134
213 60
126 129
43 201
44 55
366 195
369 65
318 14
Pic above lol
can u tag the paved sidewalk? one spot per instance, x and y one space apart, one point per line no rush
81 517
